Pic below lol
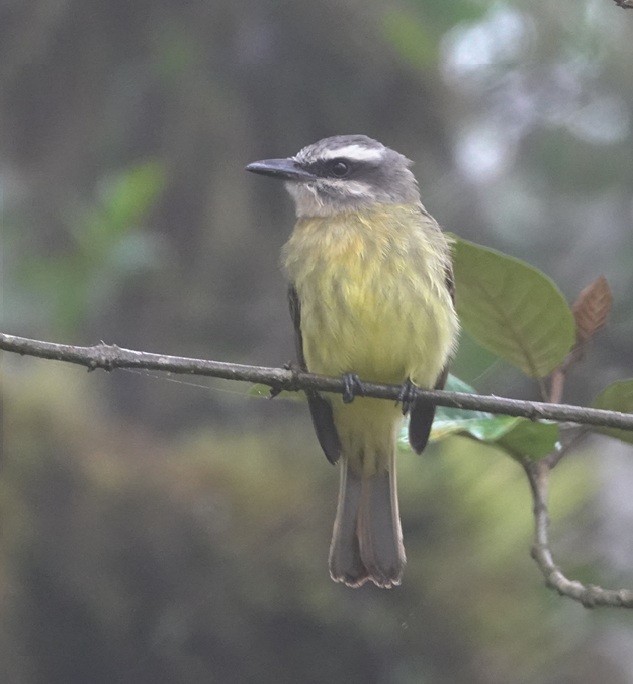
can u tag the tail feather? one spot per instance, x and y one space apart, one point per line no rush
346 564
367 539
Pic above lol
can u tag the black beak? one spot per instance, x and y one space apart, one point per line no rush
285 169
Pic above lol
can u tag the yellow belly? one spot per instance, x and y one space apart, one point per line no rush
373 296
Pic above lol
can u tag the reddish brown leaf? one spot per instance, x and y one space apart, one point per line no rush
592 308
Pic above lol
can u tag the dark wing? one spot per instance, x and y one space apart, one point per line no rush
422 413
320 408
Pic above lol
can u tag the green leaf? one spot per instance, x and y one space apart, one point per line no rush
485 429
517 436
512 309
534 439
616 397
481 425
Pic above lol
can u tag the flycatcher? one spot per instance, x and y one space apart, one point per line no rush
371 297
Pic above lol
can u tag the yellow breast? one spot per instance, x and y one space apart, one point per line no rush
373 294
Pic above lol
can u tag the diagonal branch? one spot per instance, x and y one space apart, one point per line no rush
538 473
109 357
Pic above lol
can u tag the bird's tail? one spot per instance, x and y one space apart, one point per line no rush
367 539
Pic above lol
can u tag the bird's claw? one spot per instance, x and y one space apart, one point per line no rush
352 387
407 396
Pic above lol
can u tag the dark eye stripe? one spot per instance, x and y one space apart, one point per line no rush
357 168
326 168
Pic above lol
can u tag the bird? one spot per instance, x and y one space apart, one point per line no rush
371 297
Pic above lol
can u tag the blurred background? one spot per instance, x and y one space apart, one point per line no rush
160 529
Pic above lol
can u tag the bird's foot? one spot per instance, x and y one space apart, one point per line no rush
352 387
407 396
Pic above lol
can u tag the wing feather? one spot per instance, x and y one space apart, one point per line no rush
320 407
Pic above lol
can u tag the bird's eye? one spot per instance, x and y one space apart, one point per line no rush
339 168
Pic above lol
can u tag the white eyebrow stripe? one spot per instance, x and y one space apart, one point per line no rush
355 152
355 188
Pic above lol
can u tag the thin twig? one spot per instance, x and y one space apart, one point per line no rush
557 382
589 595
570 437
559 375
109 357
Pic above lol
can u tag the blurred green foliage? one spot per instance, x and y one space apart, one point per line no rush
109 244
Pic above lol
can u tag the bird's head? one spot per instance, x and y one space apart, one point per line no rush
341 174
